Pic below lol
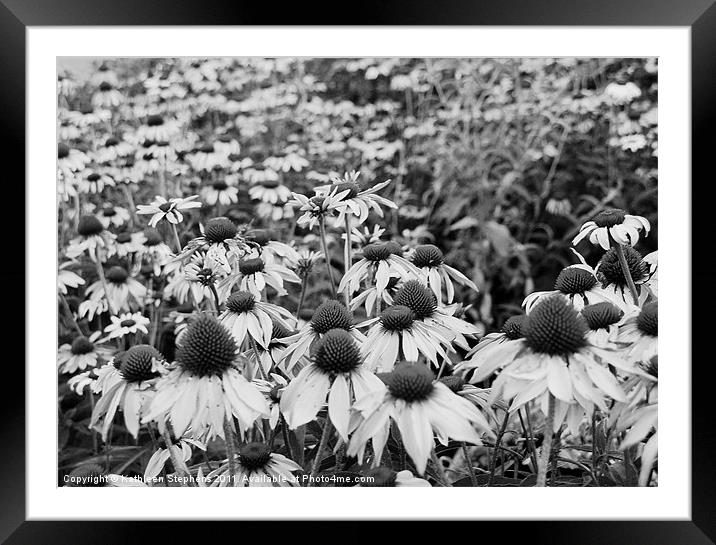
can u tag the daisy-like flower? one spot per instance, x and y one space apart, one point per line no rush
156 252
287 162
577 284
128 243
106 96
255 273
421 407
337 374
157 129
113 215
202 276
365 236
558 359
397 334
67 278
92 236
380 262
169 210
221 242
259 174
614 284
356 202
182 451
206 158
270 191
128 323
613 224
272 390
104 74
257 466
221 191
113 149
329 315
421 300
82 353
92 181
431 262
603 320
246 317
70 160
206 387
140 366
317 208
123 291
494 351
640 334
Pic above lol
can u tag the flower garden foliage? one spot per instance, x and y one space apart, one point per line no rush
358 272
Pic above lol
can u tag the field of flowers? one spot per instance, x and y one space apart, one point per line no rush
358 272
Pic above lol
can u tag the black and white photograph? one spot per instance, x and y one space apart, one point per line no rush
357 272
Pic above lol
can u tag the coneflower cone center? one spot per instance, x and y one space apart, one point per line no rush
251 266
573 280
63 150
278 331
555 328
410 382
352 187
397 318
241 301
648 319
254 455
610 218
137 363
427 255
220 185
379 477
117 275
155 121
416 297
219 229
512 327
127 323
166 207
453 382
337 352
82 345
610 270
331 315
269 184
207 348
601 315
89 225
123 238
154 238
376 252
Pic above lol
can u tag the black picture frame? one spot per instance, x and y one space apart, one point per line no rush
700 15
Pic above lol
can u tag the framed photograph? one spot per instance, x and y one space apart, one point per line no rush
313 262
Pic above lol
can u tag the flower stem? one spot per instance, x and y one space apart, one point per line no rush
498 442
176 238
468 462
326 256
304 285
230 449
625 269
327 432
258 358
546 443
216 297
527 430
347 257
100 272
68 313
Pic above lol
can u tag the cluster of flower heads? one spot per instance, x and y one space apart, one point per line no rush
183 319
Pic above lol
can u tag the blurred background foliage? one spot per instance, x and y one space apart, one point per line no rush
496 161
